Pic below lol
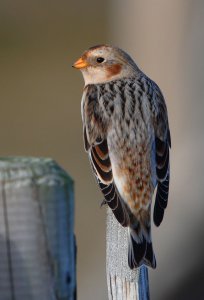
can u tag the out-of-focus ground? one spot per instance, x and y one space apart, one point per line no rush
40 116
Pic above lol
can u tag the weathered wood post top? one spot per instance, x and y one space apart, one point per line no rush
37 248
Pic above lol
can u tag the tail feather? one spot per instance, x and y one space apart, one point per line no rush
140 252
136 252
150 259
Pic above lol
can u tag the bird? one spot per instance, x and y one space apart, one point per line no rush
127 137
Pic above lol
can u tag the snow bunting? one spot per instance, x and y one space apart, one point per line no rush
127 137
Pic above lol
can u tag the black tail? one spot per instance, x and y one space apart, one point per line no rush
140 251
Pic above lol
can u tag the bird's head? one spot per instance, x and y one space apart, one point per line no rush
104 63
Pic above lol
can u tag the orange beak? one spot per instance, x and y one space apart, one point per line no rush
80 63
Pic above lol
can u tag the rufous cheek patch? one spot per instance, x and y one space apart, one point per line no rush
113 70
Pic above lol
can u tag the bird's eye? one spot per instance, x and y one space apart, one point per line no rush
100 59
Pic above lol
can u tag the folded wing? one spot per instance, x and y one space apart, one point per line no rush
101 164
162 146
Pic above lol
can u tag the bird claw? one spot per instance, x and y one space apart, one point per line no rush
103 203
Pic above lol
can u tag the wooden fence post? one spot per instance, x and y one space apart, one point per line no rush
123 283
37 251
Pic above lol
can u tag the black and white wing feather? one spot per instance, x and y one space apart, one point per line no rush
162 145
96 145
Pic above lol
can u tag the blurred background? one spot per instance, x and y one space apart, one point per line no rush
40 98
